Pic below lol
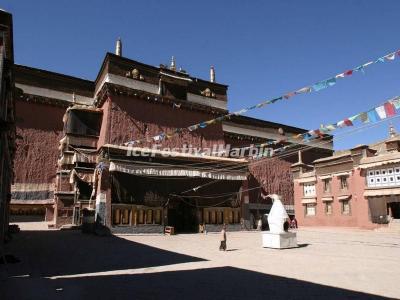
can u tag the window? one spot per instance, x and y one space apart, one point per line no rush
346 207
343 182
310 209
328 208
309 189
383 177
327 185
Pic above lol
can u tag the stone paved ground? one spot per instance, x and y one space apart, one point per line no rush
330 264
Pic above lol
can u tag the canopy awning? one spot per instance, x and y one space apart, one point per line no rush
381 192
166 171
307 180
344 197
308 200
327 199
84 176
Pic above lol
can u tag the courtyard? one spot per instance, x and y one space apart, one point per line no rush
330 263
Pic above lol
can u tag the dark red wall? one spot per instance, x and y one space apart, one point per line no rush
130 117
39 130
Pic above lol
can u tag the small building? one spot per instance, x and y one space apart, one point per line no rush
359 187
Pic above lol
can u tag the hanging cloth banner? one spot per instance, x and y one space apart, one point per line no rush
318 86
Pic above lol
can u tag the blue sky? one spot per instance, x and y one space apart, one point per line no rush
261 49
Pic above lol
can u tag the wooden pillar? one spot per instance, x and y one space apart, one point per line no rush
103 199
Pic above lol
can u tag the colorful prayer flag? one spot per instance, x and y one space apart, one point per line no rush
348 73
288 95
193 127
364 117
211 122
390 56
331 81
348 122
304 90
341 75
396 102
360 68
330 127
372 116
389 109
240 112
320 86
355 117
367 64
380 110
276 99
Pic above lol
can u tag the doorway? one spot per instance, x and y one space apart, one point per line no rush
183 218
394 209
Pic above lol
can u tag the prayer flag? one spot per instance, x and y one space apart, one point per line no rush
276 99
348 122
348 73
298 136
364 117
330 127
341 75
360 68
390 56
288 95
331 81
368 63
202 125
396 103
211 121
193 127
389 109
320 86
380 110
262 104
355 117
380 60
304 90
240 112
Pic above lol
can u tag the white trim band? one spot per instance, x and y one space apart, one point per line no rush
43 92
207 101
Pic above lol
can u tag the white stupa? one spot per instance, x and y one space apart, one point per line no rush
277 216
277 237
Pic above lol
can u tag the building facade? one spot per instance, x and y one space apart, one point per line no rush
354 188
72 154
7 120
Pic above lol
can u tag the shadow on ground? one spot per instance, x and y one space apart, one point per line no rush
52 253
213 283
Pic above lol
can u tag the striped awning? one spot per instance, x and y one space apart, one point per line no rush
138 170
32 193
